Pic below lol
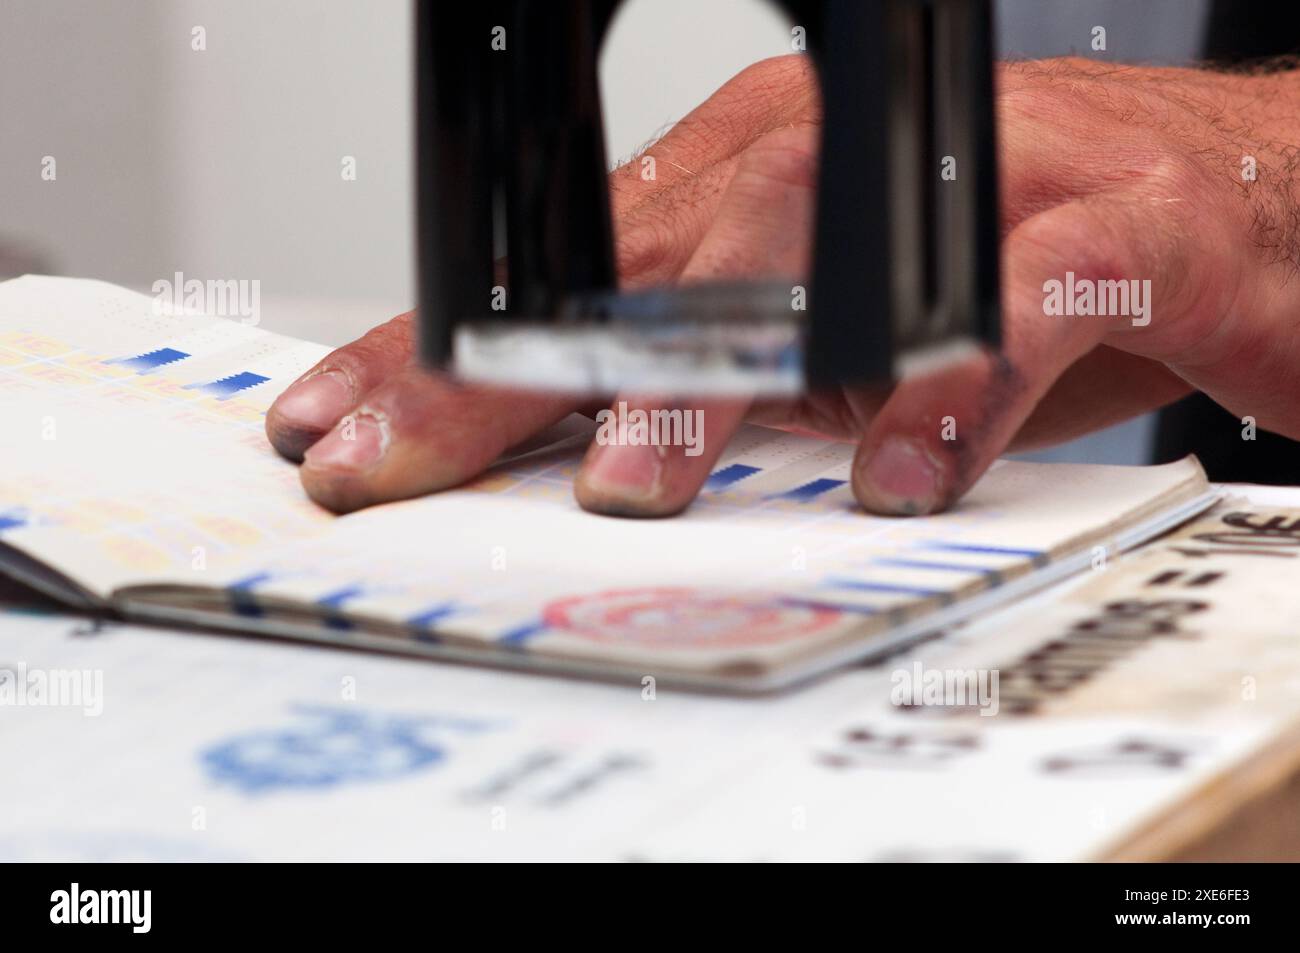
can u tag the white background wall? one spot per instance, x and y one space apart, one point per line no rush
225 163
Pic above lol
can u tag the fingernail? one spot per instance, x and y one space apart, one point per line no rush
357 443
625 473
902 477
317 403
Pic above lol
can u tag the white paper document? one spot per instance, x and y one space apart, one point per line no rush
1121 696
136 474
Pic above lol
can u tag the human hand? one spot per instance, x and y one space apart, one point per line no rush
1108 173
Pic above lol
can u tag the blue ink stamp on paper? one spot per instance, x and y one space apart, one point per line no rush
333 747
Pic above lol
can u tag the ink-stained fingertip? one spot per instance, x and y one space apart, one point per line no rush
306 412
899 478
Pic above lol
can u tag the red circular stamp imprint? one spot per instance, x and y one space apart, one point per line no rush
685 618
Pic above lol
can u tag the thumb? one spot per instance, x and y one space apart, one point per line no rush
938 433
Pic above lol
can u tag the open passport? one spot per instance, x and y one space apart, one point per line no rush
135 477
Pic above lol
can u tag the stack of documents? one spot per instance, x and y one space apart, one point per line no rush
137 477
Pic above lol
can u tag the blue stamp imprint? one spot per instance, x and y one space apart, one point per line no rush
332 747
